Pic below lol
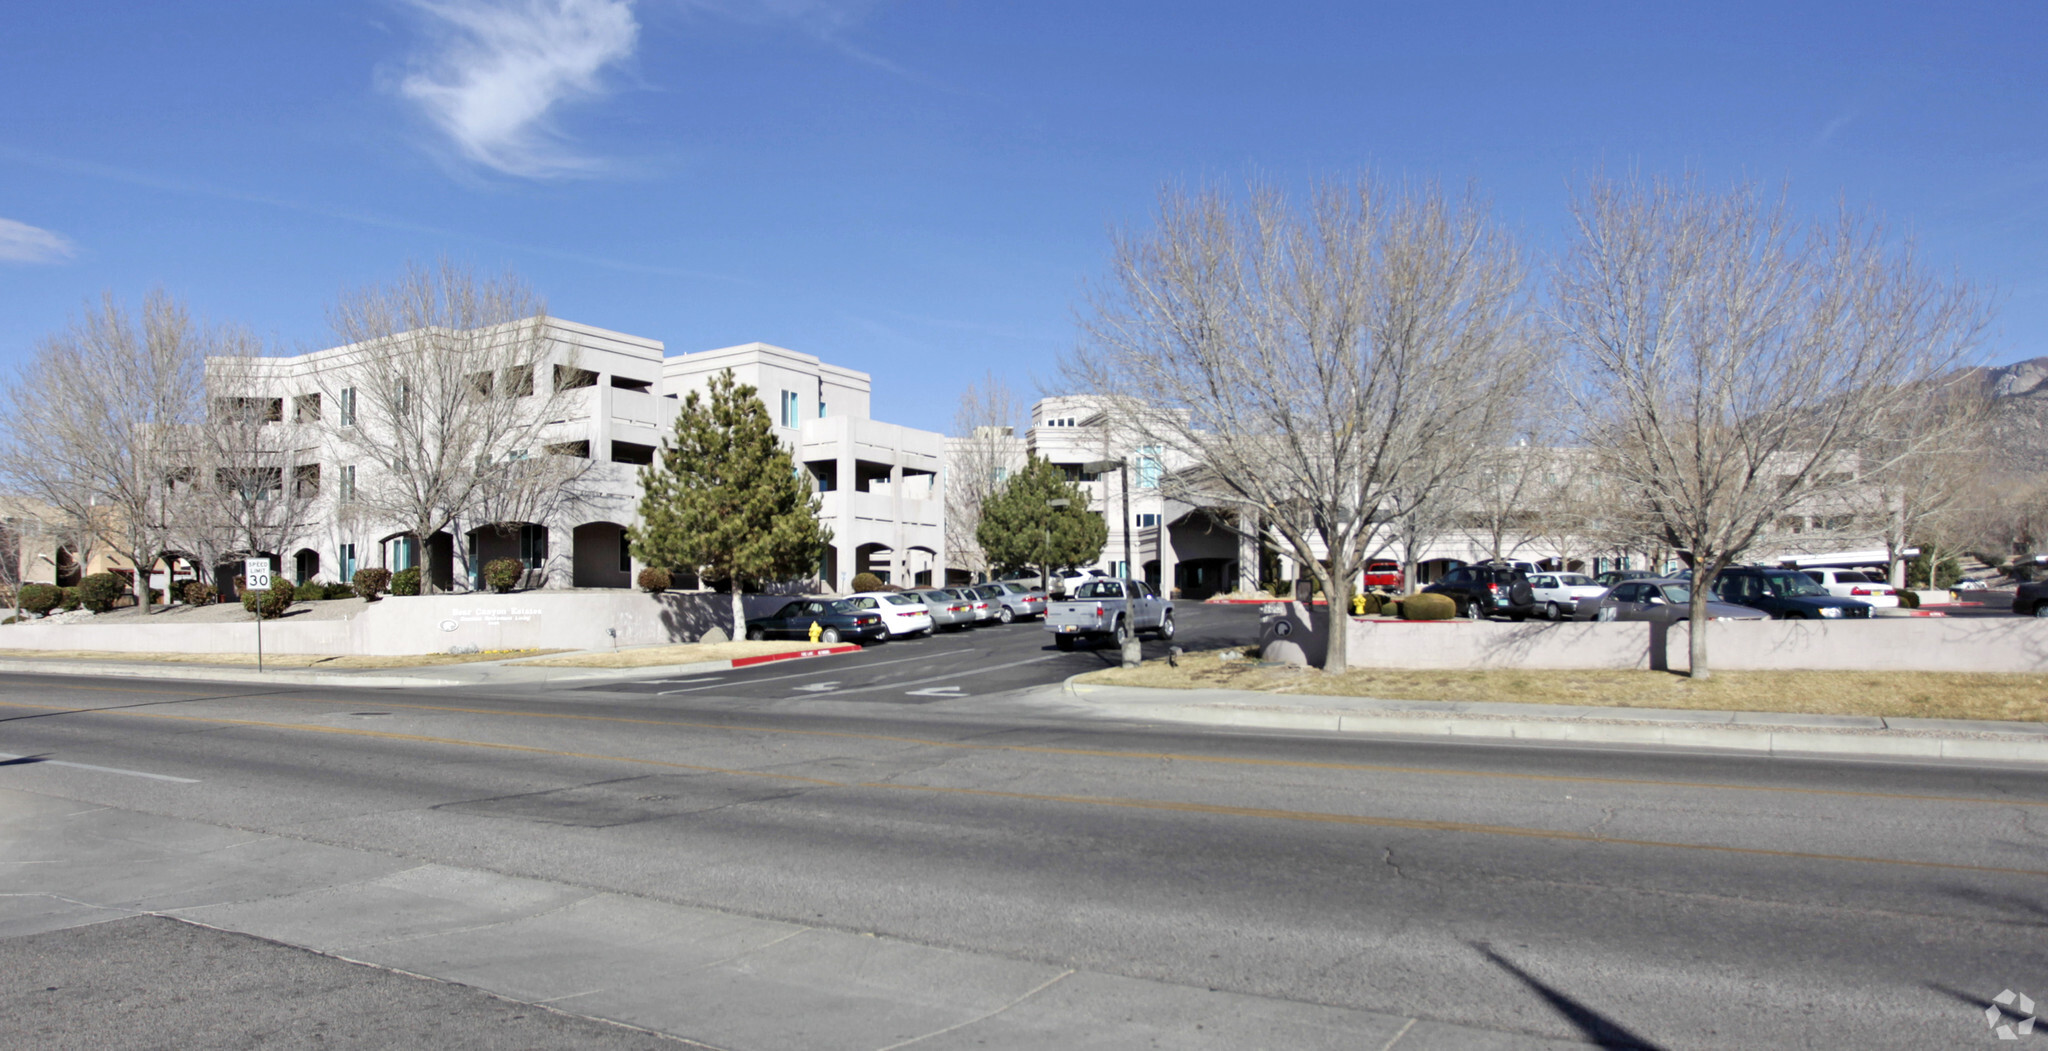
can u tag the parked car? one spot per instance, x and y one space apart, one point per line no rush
1856 584
984 611
1616 576
837 621
1065 581
2031 599
1558 594
1485 589
1662 600
1109 609
901 614
1384 573
1785 594
947 608
1012 601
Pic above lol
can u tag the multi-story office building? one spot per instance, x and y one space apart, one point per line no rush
614 398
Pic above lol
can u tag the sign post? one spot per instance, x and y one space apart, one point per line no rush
256 578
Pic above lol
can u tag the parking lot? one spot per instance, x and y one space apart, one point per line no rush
970 662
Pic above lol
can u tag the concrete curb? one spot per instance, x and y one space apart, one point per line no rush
474 674
1761 732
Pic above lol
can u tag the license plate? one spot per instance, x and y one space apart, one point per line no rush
1066 627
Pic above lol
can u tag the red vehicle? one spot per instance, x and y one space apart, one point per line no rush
1383 573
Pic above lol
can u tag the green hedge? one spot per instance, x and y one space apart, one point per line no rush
406 582
370 583
1428 606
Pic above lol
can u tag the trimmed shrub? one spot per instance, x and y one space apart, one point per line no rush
406 582
1945 575
273 602
654 580
370 583
40 598
69 601
1373 604
868 582
310 591
1908 599
1428 606
501 574
335 591
197 593
98 591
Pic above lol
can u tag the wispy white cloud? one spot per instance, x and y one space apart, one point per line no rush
22 243
829 22
498 69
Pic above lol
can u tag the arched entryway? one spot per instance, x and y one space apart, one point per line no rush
876 559
403 551
305 565
524 542
602 557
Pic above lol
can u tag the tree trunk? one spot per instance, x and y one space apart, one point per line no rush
1337 629
1696 617
739 610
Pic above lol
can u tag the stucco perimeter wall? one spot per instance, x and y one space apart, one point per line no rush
562 620
1991 644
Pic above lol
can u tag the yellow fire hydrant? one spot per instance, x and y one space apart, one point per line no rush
816 631
1358 604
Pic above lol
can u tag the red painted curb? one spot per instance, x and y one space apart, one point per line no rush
1254 601
742 662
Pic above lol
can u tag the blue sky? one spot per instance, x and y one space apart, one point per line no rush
922 189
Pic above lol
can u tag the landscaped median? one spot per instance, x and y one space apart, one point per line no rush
1923 714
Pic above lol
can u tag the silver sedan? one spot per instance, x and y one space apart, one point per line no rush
948 609
1667 601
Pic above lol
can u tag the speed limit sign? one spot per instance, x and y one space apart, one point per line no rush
256 574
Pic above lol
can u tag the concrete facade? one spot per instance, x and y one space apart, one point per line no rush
877 480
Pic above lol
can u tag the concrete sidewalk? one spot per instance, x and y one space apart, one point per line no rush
1767 732
475 673
725 980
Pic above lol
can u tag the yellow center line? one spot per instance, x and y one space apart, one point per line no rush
1360 820
1180 757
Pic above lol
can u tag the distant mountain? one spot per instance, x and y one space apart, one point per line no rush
2019 429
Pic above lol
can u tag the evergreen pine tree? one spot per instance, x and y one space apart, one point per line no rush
727 499
1018 530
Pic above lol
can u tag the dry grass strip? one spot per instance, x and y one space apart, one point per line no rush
1920 695
277 660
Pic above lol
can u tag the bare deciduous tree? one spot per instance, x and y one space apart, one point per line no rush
95 420
450 399
1315 360
1924 459
979 459
254 475
1732 359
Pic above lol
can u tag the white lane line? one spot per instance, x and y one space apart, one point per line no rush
949 675
34 761
799 675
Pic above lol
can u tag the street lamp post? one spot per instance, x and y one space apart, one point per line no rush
1123 472
1045 543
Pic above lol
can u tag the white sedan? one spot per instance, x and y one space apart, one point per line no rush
902 614
1558 594
1863 587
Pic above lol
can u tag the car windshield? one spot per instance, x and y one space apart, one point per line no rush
1101 589
1678 594
1575 580
1792 585
901 600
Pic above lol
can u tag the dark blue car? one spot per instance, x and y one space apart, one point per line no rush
837 621
1784 594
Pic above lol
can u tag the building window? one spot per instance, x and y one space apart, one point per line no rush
347 406
1147 521
790 412
625 552
348 563
347 485
1148 467
1001 475
306 481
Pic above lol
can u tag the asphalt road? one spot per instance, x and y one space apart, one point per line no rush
1620 897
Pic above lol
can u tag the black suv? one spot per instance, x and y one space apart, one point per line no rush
2031 600
1485 589
1785 594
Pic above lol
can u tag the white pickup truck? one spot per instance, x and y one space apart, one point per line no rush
1108 609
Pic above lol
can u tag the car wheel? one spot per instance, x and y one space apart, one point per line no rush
1472 610
1122 634
2041 609
830 636
1064 642
756 634
1006 616
1166 628
1553 611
